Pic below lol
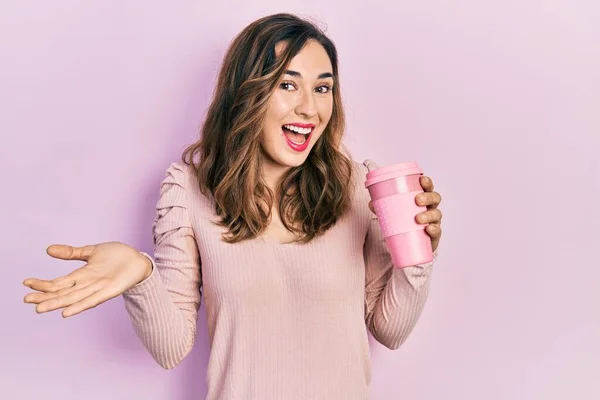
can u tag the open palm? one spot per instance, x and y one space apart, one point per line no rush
111 268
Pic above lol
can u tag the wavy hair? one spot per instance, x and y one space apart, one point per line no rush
312 196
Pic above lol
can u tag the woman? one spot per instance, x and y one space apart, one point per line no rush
268 217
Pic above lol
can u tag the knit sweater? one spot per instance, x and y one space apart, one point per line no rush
285 321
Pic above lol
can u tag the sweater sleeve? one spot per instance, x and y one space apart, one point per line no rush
394 297
164 307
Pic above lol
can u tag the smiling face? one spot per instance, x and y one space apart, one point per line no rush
298 110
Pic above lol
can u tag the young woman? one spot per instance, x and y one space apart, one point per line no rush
267 216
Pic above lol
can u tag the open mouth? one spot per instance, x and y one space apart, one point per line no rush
298 137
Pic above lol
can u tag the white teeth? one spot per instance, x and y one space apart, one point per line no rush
303 131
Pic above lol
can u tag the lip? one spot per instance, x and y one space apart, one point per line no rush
295 146
301 125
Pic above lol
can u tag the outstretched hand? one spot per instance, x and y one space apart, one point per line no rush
110 269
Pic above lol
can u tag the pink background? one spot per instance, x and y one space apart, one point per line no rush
499 101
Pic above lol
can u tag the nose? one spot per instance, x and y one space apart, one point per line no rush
307 105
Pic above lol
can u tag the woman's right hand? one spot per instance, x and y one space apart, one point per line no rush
111 268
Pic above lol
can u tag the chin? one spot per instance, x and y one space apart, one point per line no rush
292 160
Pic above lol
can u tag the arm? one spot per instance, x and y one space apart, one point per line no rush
164 307
394 297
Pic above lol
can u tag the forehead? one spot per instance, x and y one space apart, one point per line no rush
311 61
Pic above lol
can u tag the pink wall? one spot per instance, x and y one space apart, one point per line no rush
500 102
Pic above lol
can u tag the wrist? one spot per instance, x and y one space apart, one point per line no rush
147 267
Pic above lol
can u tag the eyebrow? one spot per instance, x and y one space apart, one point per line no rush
299 75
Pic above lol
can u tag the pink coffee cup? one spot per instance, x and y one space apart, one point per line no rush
393 190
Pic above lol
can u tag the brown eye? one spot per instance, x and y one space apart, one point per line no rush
324 89
287 86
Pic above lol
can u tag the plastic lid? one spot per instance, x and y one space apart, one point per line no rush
392 171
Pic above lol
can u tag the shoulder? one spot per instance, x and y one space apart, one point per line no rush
179 173
184 177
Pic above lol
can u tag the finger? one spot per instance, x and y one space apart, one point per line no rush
57 284
91 301
428 217
68 299
371 207
429 199
434 230
426 183
53 286
39 297
65 252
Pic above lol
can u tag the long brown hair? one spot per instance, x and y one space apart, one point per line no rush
312 196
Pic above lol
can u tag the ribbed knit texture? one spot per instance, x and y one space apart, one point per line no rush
285 321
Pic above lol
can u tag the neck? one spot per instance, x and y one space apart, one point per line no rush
272 173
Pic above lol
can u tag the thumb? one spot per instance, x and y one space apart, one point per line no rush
65 252
371 207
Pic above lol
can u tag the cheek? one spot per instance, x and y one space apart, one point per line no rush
272 123
279 107
326 108
325 112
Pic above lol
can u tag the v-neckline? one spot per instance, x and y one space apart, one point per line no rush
272 242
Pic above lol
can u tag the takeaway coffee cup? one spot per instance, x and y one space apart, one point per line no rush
393 190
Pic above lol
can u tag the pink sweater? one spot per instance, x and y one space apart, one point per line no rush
285 321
